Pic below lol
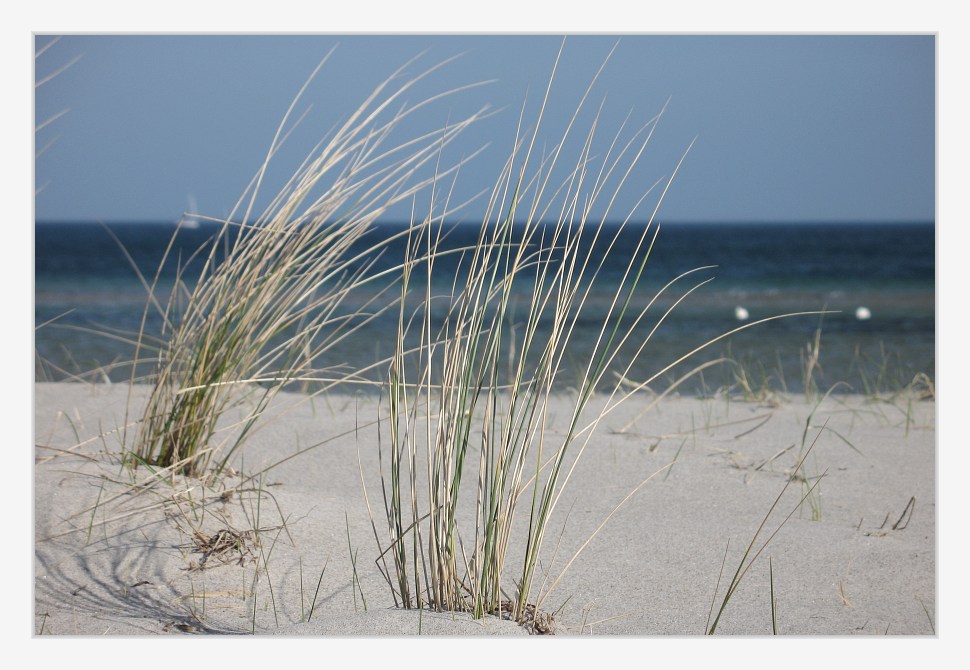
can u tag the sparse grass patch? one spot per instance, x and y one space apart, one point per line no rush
810 366
751 555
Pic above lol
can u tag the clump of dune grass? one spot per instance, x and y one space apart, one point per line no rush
474 464
269 302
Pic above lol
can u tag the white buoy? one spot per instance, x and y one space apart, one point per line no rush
863 313
740 313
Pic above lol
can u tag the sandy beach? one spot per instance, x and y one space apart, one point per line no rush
284 544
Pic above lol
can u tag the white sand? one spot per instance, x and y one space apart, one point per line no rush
110 561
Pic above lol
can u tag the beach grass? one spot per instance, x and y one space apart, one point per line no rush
269 303
469 421
451 417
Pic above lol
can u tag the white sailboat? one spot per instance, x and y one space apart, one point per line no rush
190 217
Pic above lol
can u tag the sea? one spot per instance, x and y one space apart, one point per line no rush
876 282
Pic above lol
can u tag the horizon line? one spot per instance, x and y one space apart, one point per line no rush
676 222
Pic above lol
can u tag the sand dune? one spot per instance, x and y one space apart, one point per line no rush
120 552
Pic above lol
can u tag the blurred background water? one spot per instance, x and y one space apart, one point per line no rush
879 278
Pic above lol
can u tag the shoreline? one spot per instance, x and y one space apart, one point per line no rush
108 561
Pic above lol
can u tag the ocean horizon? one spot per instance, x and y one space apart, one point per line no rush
878 281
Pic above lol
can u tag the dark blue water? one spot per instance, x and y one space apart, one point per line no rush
86 284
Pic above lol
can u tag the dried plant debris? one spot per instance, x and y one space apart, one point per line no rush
226 546
901 522
534 620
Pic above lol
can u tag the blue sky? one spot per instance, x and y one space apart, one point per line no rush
788 128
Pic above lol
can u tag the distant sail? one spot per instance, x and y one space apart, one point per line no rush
190 218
